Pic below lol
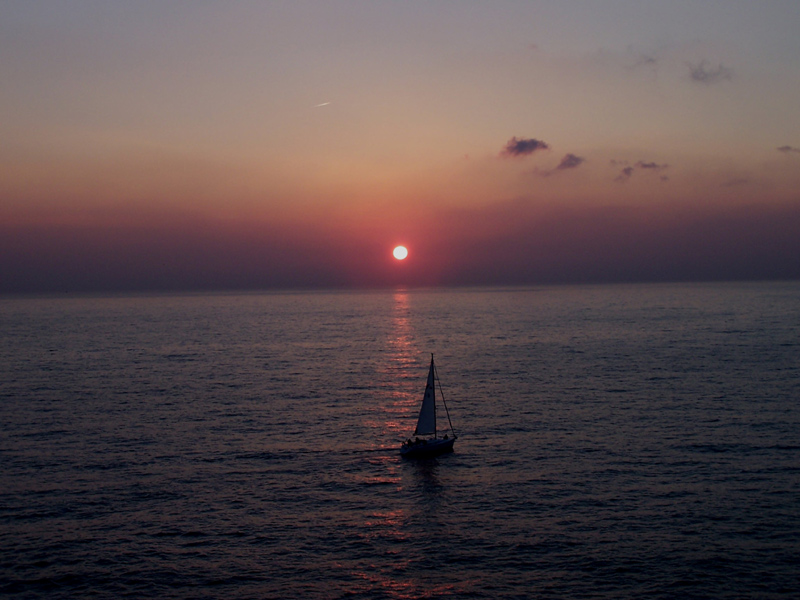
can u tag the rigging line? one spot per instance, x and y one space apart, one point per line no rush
441 391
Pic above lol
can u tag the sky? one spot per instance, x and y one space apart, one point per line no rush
203 145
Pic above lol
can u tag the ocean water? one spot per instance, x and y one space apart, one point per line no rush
614 442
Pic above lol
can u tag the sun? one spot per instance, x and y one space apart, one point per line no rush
400 252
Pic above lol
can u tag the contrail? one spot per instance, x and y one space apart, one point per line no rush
323 104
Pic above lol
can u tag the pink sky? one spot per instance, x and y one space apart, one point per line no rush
244 146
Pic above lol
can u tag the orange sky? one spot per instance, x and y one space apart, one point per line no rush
248 145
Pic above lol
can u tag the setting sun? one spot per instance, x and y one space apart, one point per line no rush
400 252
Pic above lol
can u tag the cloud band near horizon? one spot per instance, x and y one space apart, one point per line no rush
512 244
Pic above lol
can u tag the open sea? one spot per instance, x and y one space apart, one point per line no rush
627 441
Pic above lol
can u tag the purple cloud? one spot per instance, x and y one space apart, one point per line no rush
627 172
702 73
523 147
789 149
624 175
570 161
650 165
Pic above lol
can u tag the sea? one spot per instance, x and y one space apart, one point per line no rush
614 441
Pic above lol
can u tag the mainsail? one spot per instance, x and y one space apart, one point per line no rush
426 424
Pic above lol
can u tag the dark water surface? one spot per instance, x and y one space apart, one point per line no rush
616 442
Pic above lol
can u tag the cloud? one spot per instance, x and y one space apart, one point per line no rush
628 171
521 243
518 242
523 147
624 175
789 150
645 63
570 161
702 73
650 165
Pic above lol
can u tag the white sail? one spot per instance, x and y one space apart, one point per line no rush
426 424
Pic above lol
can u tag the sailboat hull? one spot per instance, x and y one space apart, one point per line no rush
428 448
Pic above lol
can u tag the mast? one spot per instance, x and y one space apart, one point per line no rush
433 370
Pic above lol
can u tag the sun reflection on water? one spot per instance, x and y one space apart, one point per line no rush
400 342
401 371
407 538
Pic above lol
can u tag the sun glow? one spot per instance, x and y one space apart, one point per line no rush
400 252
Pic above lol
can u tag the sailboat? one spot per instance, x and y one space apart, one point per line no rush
430 444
